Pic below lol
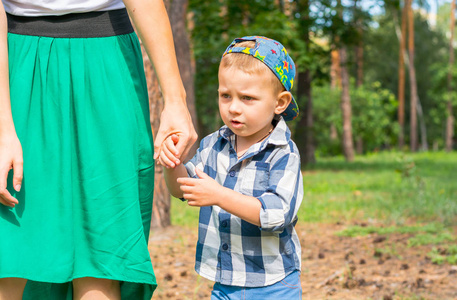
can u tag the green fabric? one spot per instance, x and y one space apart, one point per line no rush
80 107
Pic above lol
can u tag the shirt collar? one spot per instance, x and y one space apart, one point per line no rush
280 135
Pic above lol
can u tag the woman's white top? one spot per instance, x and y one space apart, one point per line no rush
35 8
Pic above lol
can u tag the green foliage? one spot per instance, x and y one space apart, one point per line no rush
431 64
440 94
372 111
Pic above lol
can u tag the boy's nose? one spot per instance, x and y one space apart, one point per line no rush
235 107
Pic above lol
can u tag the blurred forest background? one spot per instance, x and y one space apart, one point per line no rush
373 75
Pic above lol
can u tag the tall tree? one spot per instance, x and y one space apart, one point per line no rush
335 68
348 145
359 45
450 115
359 63
346 109
412 79
401 77
304 130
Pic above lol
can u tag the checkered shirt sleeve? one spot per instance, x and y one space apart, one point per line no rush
283 197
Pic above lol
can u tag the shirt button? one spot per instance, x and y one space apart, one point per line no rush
232 173
224 246
224 223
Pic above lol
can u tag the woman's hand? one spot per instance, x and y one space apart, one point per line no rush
175 120
10 158
153 26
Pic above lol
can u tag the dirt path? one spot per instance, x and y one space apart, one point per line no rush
333 267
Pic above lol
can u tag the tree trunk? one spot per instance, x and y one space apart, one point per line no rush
412 79
304 130
359 145
401 78
178 19
358 48
335 69
348 144
280 4
359 58
450 115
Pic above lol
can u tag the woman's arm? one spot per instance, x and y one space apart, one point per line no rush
10 147
153 27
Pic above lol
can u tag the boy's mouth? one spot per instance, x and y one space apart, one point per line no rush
236 124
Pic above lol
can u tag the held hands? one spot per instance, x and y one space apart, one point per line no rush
10 158
197 192
175 120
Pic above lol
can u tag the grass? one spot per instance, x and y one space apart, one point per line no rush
352 231
389 186
393 187
445 254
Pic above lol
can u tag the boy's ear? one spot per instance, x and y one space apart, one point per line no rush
283 101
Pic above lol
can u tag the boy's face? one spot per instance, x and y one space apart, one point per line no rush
247 102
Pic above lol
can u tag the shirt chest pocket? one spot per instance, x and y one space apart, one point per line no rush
254 179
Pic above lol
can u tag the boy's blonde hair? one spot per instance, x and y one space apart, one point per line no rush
250 65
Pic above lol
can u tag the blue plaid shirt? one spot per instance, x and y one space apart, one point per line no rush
230 250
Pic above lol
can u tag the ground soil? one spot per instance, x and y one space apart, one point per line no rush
333 267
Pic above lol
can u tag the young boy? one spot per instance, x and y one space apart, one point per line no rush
246 178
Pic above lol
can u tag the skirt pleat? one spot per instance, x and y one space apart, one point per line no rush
80 108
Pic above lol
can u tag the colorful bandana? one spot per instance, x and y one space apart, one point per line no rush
275 56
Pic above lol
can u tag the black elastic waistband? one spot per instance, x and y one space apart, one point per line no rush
76 25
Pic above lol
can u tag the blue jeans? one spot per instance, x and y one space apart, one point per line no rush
289 288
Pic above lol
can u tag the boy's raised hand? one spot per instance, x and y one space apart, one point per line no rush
169 154
203 191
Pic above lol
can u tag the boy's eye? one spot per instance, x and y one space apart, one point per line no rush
247 98
225 96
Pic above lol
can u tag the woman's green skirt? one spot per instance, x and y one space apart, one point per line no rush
80 108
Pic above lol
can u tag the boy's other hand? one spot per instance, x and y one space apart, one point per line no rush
202 191
169 154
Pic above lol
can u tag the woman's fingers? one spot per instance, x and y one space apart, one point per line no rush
5 196
18 173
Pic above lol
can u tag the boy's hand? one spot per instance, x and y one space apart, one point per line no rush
168 156
200 192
